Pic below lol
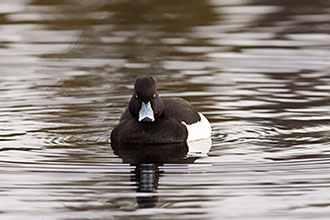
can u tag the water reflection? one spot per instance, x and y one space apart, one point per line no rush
147 159
146 177
160 153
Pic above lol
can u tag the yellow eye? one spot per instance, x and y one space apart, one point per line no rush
155 95
136 96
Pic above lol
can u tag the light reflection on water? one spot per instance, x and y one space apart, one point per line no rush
259 70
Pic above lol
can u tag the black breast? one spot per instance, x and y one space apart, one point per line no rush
168 128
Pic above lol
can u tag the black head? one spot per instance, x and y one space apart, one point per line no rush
145 104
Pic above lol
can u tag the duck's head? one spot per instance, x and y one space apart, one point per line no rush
145 104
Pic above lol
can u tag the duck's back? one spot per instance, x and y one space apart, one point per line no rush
181 110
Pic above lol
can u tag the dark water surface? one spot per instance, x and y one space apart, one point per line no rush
258 69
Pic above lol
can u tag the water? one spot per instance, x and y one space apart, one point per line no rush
259 70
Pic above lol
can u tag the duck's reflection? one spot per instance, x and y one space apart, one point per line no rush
146 178
147 159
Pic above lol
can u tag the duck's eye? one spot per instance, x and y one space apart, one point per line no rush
154 95
136 96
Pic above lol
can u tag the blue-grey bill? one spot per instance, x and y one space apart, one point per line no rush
146 113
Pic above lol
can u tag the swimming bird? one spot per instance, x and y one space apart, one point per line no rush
150 119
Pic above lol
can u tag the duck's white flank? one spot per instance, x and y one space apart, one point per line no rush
199 130
199 148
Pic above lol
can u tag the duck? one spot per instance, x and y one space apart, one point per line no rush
150 119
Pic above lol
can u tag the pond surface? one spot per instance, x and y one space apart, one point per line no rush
258 69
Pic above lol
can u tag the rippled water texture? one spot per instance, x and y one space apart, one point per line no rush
258 69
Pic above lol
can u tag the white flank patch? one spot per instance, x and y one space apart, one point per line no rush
199 130
199 148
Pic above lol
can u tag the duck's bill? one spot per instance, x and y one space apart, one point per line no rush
146 114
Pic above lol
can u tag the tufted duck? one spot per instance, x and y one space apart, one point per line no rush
150 119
